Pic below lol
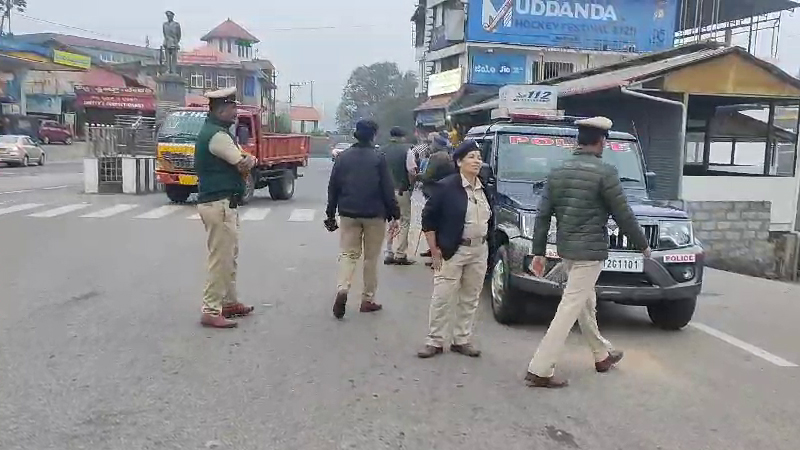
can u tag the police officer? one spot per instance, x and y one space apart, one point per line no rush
403 169
221 168
581 193
456 223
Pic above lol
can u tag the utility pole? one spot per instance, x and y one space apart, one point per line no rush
301 84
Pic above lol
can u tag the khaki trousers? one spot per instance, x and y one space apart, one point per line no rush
359 236
578 302
222 226
404 202
456 293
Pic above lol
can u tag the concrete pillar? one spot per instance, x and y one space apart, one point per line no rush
129 175
91 176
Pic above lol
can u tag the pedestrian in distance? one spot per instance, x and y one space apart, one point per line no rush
221 167
581 194
438 167
361 189
403 169
456 221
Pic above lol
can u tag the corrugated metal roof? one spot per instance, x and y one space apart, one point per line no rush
438 102
307 113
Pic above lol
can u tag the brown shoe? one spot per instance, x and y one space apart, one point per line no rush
605 365
429 352
542 382
466 350
236 310
214 321
340 305
368 307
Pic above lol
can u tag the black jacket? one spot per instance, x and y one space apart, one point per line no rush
360 185
446 211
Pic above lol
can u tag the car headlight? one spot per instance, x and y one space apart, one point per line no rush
675 234
528 223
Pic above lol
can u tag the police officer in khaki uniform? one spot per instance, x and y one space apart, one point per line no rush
221 168
456 221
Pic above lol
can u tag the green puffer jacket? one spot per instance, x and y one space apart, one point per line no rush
582 193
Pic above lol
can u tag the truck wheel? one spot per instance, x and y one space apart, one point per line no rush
283 187
672 315
249 188
177 194
507 305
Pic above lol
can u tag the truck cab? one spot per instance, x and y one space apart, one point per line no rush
518 154
278 156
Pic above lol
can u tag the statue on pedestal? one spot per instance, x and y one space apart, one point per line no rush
172 40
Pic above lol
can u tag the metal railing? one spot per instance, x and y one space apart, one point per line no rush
118 140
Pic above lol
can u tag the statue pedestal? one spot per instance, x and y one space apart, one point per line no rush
172 89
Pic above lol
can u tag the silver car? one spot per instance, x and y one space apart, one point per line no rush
20 150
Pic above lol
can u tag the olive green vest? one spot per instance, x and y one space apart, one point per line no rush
217 178
396 154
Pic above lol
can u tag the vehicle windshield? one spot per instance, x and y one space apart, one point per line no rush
529 158
182 124
8 139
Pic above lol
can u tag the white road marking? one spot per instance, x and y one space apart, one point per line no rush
55 187
750 348
160 212
302 215
255 214
16 192
194 217
61 210
108 212
18 208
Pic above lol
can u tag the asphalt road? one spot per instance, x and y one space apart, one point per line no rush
100 348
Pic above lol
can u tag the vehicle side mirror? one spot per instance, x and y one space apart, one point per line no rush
486 175
651 180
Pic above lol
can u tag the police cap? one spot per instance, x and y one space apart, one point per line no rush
600 123
463 150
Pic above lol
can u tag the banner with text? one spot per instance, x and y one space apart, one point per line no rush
497 69
612 25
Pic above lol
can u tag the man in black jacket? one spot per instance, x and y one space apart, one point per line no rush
403 168
361 188
456 221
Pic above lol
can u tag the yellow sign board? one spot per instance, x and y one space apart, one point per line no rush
72 59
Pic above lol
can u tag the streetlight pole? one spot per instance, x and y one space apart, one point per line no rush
301 84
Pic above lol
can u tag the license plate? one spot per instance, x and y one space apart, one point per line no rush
624 263
189 180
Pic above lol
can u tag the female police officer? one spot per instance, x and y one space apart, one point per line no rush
456 224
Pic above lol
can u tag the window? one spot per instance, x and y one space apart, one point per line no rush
196 80
230 43
438 15
450 63
226 81
220 45
209 81
554 69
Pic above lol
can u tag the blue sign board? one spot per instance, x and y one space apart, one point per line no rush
498 69
612 25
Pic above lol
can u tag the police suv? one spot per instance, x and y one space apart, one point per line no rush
518 153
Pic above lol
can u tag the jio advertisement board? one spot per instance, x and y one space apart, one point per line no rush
638 26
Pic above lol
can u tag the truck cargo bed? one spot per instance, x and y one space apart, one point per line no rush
283 148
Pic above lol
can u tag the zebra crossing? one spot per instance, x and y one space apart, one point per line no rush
89 212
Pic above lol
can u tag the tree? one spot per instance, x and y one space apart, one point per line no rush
6 6
379 91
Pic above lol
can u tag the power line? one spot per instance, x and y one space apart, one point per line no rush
50 22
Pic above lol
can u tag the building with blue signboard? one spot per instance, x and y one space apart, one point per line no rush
499 42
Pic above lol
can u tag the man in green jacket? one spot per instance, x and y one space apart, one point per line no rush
221 167
582 193
403 169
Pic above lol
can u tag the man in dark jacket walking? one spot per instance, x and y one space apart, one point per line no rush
582 193
361 188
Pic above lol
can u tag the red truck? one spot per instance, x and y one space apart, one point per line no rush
278 155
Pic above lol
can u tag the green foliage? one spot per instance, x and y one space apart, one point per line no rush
284 124
379 91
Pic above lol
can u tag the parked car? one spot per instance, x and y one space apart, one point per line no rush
52 131
20 150
339 148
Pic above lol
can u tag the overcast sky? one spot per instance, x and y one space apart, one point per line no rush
360 32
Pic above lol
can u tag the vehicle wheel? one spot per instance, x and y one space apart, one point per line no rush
68 141
41 159
282 188
672 315
249 189
46 140
507 305
177 194
25 161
